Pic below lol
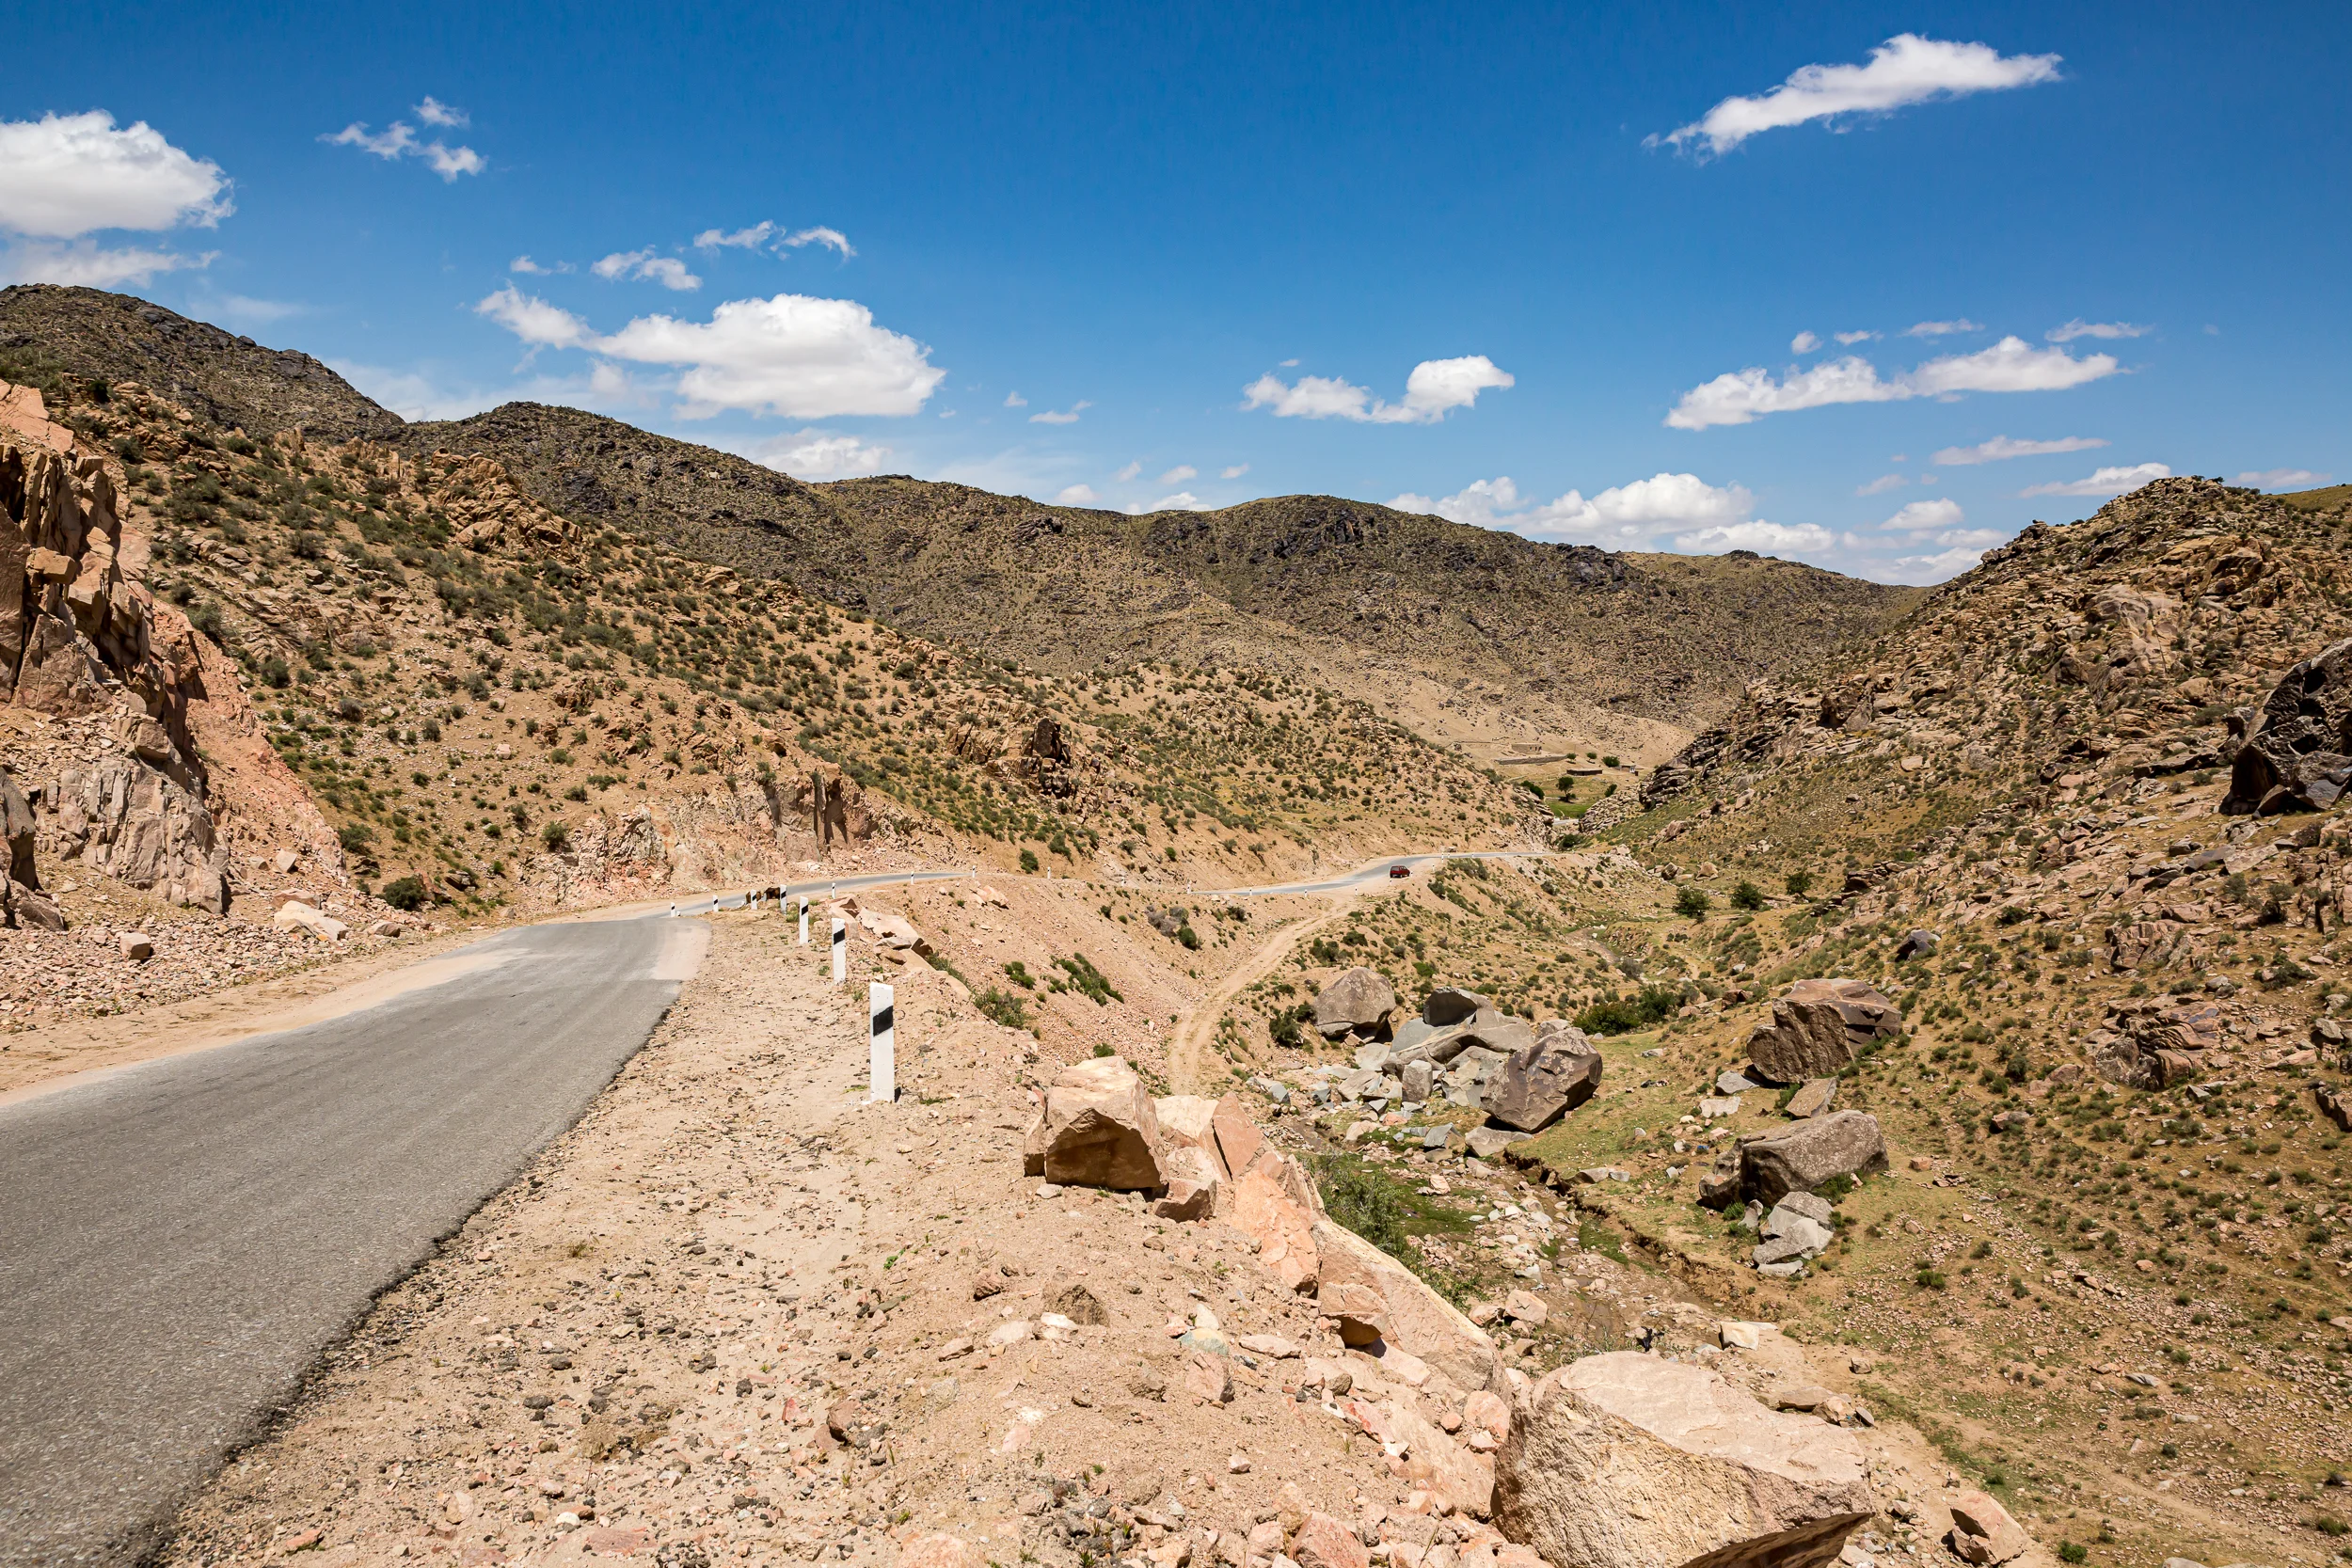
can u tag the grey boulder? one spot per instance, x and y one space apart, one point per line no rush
1814 1152
1358 1000
1818 1027
1555 1073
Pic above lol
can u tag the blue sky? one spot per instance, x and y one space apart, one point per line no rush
1577 273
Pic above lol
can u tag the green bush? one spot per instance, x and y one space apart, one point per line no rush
1366 1203
1693 903
1800 884
1003 1007
1622 1015
406 893
355 837
1747 896
1018 972
1028 860
1087 979
1189 937
555 834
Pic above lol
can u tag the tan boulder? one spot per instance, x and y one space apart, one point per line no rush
1631 1461
1323 1542
1185 1120
1818 1027
294 915
1238 1139
1376 1300
1982 1531
1097 1129
1192 1181
1555 1075
1267 1209
1425 1458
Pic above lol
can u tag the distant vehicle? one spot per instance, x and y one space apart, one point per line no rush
1400 871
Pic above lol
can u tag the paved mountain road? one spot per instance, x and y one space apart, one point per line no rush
1374 873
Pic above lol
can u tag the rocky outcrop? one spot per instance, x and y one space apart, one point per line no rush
2298 756
1631 1461
1097 1129
128 820
1818 1027
1982 1531
2153 1045
1546 1080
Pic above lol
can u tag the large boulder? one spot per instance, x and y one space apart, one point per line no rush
1818 1027
17 829
1376 1300
1097 1129
1543 1080
1276 1206
1813 1152
1357 1001
2153 1045
1451 1004
2298 756
1982 1531
1631 1461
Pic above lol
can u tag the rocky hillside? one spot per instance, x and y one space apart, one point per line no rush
48 331
1473 635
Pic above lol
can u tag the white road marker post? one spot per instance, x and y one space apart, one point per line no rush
804 920
841 950
882 1045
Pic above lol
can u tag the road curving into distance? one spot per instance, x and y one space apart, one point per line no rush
1372 873
184 1236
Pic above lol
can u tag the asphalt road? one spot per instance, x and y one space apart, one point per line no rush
822 888
180 1239
1374 872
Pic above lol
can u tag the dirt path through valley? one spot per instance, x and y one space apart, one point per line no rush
1186 1049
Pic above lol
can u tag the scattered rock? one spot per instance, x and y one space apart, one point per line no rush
1522 1307
1448 1005
294 915
2295 758
1625 1460
1488 1142
1918 945
136 944
1733 1083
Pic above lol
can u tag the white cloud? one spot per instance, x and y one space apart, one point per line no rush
1128 472
1926 516
530 268
1234 472
1180 473
2106 482
451 161
1942 329
247 311
2282 478
433 112
1972 538
1803 342
818 454
1850 339
831 239
1880 485
1761 536
1905 70
668 271
793 354
63 176
1014 400
743 239
1435 387
92 265
759 234
1936 567
391 142
1739 397
1075 494
1183 500
2081 328
1624 514
2000 449
533 320
399 140
1061 415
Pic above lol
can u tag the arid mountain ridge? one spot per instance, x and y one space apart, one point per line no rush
1486 637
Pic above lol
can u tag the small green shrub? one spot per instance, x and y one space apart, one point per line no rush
1693 903
1028 861
555 834
1747 896
1003 1007
406 894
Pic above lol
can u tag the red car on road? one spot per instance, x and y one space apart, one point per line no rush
1400 871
